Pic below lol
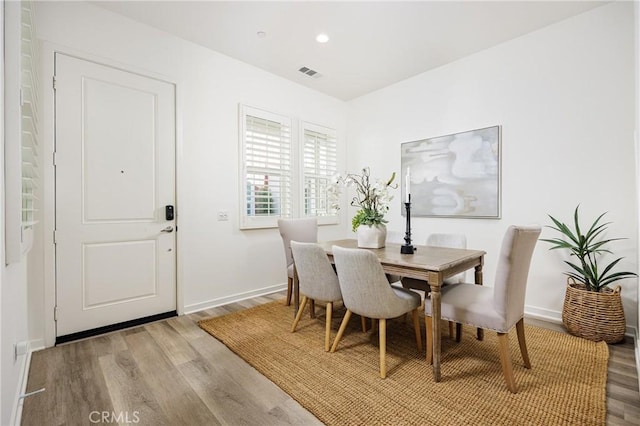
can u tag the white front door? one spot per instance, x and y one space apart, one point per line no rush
115 174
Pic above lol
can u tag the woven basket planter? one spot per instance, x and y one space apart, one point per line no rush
593 316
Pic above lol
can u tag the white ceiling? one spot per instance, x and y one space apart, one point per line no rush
373 44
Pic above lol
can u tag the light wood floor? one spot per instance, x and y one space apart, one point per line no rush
172 372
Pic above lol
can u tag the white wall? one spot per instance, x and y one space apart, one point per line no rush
565 99
562 94
637 146
13 278
217 261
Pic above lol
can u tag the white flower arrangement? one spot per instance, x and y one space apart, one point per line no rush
372 199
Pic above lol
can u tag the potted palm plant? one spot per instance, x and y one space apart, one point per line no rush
591 309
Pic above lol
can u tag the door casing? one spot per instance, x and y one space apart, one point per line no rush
46 243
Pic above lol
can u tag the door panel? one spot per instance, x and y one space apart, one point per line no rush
115 172
119 167
135 279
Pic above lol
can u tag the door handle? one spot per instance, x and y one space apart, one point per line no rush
168 229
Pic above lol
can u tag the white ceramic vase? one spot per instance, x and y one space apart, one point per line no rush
371 236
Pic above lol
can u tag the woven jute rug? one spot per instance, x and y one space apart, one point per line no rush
566 385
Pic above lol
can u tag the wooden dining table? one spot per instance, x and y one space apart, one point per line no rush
427 263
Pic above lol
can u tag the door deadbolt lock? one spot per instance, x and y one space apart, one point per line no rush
168 212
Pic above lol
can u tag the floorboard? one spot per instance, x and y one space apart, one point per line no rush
172 372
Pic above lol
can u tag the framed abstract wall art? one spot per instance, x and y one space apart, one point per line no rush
455 175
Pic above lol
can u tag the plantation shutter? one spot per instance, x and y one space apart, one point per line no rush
319 164
21 118
29 137
267 168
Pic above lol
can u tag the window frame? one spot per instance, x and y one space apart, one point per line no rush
329 219
21 118
268 221
297 130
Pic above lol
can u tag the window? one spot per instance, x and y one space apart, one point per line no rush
29 138
283 174
319 164
21 128
266 167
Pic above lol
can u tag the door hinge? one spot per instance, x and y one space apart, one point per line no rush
54 158
55 237
54 82
55 313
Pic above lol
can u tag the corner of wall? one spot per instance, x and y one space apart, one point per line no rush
637 356
2 4
636 6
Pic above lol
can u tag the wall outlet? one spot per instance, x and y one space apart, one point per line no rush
20 348
223 215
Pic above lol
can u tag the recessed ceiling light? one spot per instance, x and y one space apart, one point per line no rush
261 34
322 38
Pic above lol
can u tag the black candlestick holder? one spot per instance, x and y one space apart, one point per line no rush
407 248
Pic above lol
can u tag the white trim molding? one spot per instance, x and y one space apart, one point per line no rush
189 309
555 317
543 314
16 412
47 60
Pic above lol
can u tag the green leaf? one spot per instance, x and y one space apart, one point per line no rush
587 249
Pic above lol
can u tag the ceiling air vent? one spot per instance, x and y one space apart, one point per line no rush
309 72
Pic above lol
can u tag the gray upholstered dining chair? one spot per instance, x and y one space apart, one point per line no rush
366 292
317 280
302 230
451 240
498 308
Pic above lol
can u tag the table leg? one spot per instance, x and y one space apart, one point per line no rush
296 291
436 316
478 277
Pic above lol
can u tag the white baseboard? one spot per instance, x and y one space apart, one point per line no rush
543 314
555 317
200 306
637 355
16 412
36 345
